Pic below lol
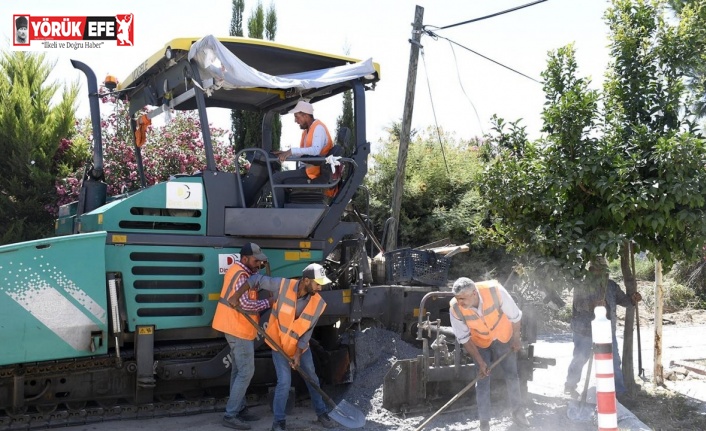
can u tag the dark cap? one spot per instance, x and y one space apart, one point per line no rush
252 249
317 273
21 22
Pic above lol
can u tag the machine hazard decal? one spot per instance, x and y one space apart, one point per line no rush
44 292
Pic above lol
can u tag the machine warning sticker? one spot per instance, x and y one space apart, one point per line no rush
226 260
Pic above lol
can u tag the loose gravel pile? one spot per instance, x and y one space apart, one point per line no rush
376 351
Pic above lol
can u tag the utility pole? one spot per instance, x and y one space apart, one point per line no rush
658 374
398 189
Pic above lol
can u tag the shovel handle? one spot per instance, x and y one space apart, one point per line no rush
278 348
640 370
588 378
461 392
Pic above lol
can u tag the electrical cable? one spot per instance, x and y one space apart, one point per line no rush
460 83
434 35
492 15
433 110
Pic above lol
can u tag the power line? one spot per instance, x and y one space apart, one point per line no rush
433 110
491 15
458 75
434 35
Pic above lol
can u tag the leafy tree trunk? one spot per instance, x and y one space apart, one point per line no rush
626 256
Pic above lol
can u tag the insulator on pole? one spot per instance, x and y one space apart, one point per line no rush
605 383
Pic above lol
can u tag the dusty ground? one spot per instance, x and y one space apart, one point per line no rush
680 404
672 406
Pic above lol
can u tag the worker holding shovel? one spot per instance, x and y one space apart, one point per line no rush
599 289
239 333
297 309
486 321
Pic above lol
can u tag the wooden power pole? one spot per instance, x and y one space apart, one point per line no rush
398 189
658 374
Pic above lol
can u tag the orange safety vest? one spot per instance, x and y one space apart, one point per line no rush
493 324
284 327
227 319
307 139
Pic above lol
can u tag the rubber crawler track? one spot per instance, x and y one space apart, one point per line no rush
88 415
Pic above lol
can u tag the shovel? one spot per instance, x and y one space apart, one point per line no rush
640 370
581 412
463 391
344 412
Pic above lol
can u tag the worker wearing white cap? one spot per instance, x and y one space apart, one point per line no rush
316 141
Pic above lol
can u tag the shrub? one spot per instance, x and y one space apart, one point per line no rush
644 268
691 274
174 148
676 296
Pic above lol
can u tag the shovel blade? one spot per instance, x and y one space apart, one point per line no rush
347 415
580 411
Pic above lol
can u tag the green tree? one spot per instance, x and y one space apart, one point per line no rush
236 22
256 22
692 14
236 115
625 179
247 126
436 203
31 131
346 119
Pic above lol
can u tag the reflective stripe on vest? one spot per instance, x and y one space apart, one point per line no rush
284 327
493 324
307 139
227 319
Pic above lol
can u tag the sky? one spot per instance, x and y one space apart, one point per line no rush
456 89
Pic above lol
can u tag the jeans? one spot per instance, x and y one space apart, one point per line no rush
582 352
512 380
242 353
284 382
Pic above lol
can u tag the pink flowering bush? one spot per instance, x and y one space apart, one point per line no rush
174 148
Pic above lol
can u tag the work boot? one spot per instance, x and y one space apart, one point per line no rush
326 421
246 416
484 426
235 423
519 416
571 392
279 426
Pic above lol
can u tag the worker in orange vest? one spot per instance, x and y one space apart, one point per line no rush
486 321
297 309
316 141
239 333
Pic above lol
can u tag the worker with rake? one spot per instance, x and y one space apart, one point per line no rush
486 321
